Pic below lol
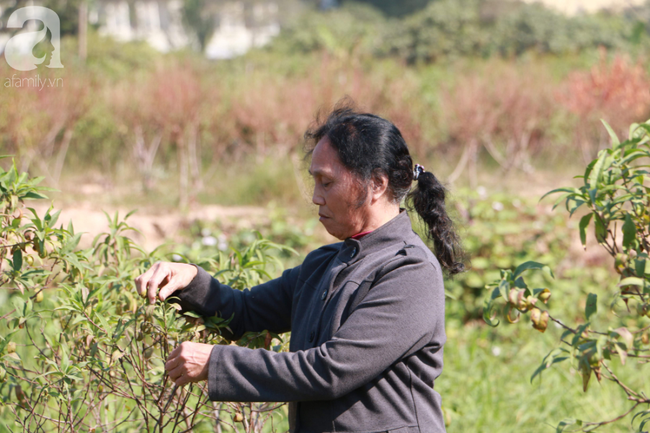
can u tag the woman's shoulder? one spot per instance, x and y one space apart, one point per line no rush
413 250
414 257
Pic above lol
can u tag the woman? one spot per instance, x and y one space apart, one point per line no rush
366 315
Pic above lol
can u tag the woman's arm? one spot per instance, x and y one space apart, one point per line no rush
267 306
402 313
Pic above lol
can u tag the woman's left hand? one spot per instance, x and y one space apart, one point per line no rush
189 363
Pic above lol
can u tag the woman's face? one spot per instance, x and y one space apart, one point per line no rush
337 193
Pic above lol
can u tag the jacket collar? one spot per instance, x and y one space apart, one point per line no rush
394 231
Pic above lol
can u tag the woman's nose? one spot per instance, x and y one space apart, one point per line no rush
317 198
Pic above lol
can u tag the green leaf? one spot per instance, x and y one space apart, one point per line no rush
588 170
71 244
629 231
13 356
564 424
18 259
584 223
631 281
192 314
34 196
593 194
554 359
626 336
129 214
578 204
531 265
615 141
489 315
640 265
592 305
597 171
15 223
19 305
103 322
575 191
54 218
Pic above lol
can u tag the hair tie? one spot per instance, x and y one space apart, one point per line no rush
417 170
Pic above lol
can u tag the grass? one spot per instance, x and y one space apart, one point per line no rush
485 384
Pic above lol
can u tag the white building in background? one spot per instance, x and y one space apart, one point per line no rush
159 22
575 7
233 37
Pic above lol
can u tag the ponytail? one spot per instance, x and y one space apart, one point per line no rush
428 200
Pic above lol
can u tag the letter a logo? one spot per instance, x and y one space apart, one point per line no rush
18 50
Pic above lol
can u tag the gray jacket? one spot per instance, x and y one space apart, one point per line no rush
367 331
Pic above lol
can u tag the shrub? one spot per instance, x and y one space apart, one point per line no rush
533 27
354 28
450 29
80 350
445 28
615 193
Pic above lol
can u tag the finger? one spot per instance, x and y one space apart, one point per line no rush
169 288
176 351
158 276
172 362
138 285
182 380
142 280
176 373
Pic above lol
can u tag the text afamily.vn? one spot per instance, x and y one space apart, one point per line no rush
36 81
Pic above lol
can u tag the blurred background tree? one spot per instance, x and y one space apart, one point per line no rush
200 18
393 8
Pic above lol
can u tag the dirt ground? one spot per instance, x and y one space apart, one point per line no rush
155 228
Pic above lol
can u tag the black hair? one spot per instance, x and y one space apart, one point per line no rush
368 146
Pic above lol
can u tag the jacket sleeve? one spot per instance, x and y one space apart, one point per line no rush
399 316
267 306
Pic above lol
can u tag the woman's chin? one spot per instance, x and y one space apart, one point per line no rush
332 231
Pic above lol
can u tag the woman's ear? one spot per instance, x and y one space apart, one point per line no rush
379 186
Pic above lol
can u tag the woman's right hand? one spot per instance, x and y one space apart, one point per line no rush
166 276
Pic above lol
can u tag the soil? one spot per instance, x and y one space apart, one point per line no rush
154 228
